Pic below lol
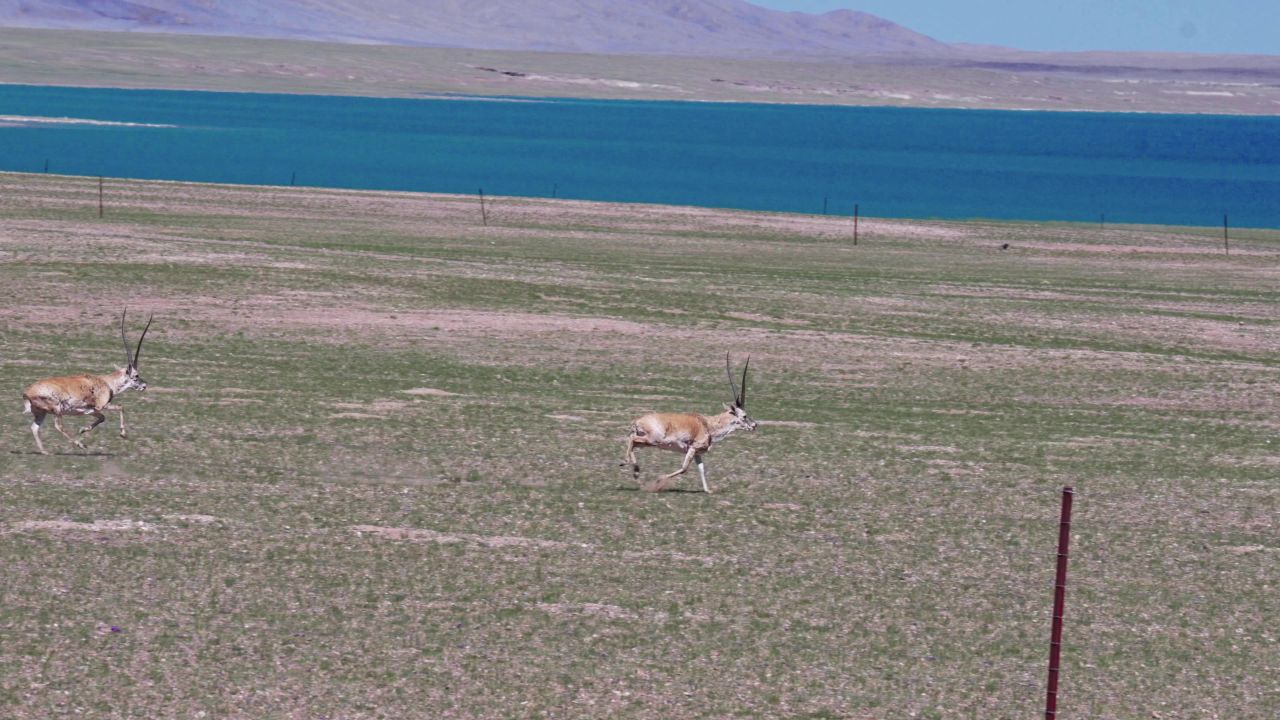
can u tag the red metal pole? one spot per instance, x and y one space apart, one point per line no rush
1059 600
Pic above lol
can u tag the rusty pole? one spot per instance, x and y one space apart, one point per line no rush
1059 600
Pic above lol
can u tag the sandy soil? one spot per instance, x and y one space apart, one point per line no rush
978 78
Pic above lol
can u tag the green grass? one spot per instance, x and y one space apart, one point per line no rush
883 546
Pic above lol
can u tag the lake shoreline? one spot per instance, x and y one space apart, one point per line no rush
463 97
892 162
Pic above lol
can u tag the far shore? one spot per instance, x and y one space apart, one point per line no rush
976 79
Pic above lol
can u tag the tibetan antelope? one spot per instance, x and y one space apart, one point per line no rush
689 433
83 394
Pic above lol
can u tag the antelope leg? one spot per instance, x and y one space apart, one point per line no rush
665 480
98 419
117 408
57 425
37 420
630 457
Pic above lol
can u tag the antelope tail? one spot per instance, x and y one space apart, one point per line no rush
26 406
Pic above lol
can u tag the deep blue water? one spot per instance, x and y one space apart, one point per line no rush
893 162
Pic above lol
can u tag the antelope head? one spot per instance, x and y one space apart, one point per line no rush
132 380
738 410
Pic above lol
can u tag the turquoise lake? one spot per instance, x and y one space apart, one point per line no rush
892 162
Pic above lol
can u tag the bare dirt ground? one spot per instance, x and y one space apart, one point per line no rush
1004 79
375 474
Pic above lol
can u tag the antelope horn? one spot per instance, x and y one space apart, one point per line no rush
138 349
742 398
128 361
728 371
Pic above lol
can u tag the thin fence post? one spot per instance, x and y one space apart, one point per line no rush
855 223
99 196
824 206
484 215
1226 245
293 178
1059 601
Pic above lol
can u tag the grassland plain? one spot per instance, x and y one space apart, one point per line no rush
376 473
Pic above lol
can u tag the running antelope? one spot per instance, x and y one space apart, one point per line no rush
689 433
83 394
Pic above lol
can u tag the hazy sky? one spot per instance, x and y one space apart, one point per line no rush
1206 26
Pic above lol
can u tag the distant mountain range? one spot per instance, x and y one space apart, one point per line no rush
728 28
